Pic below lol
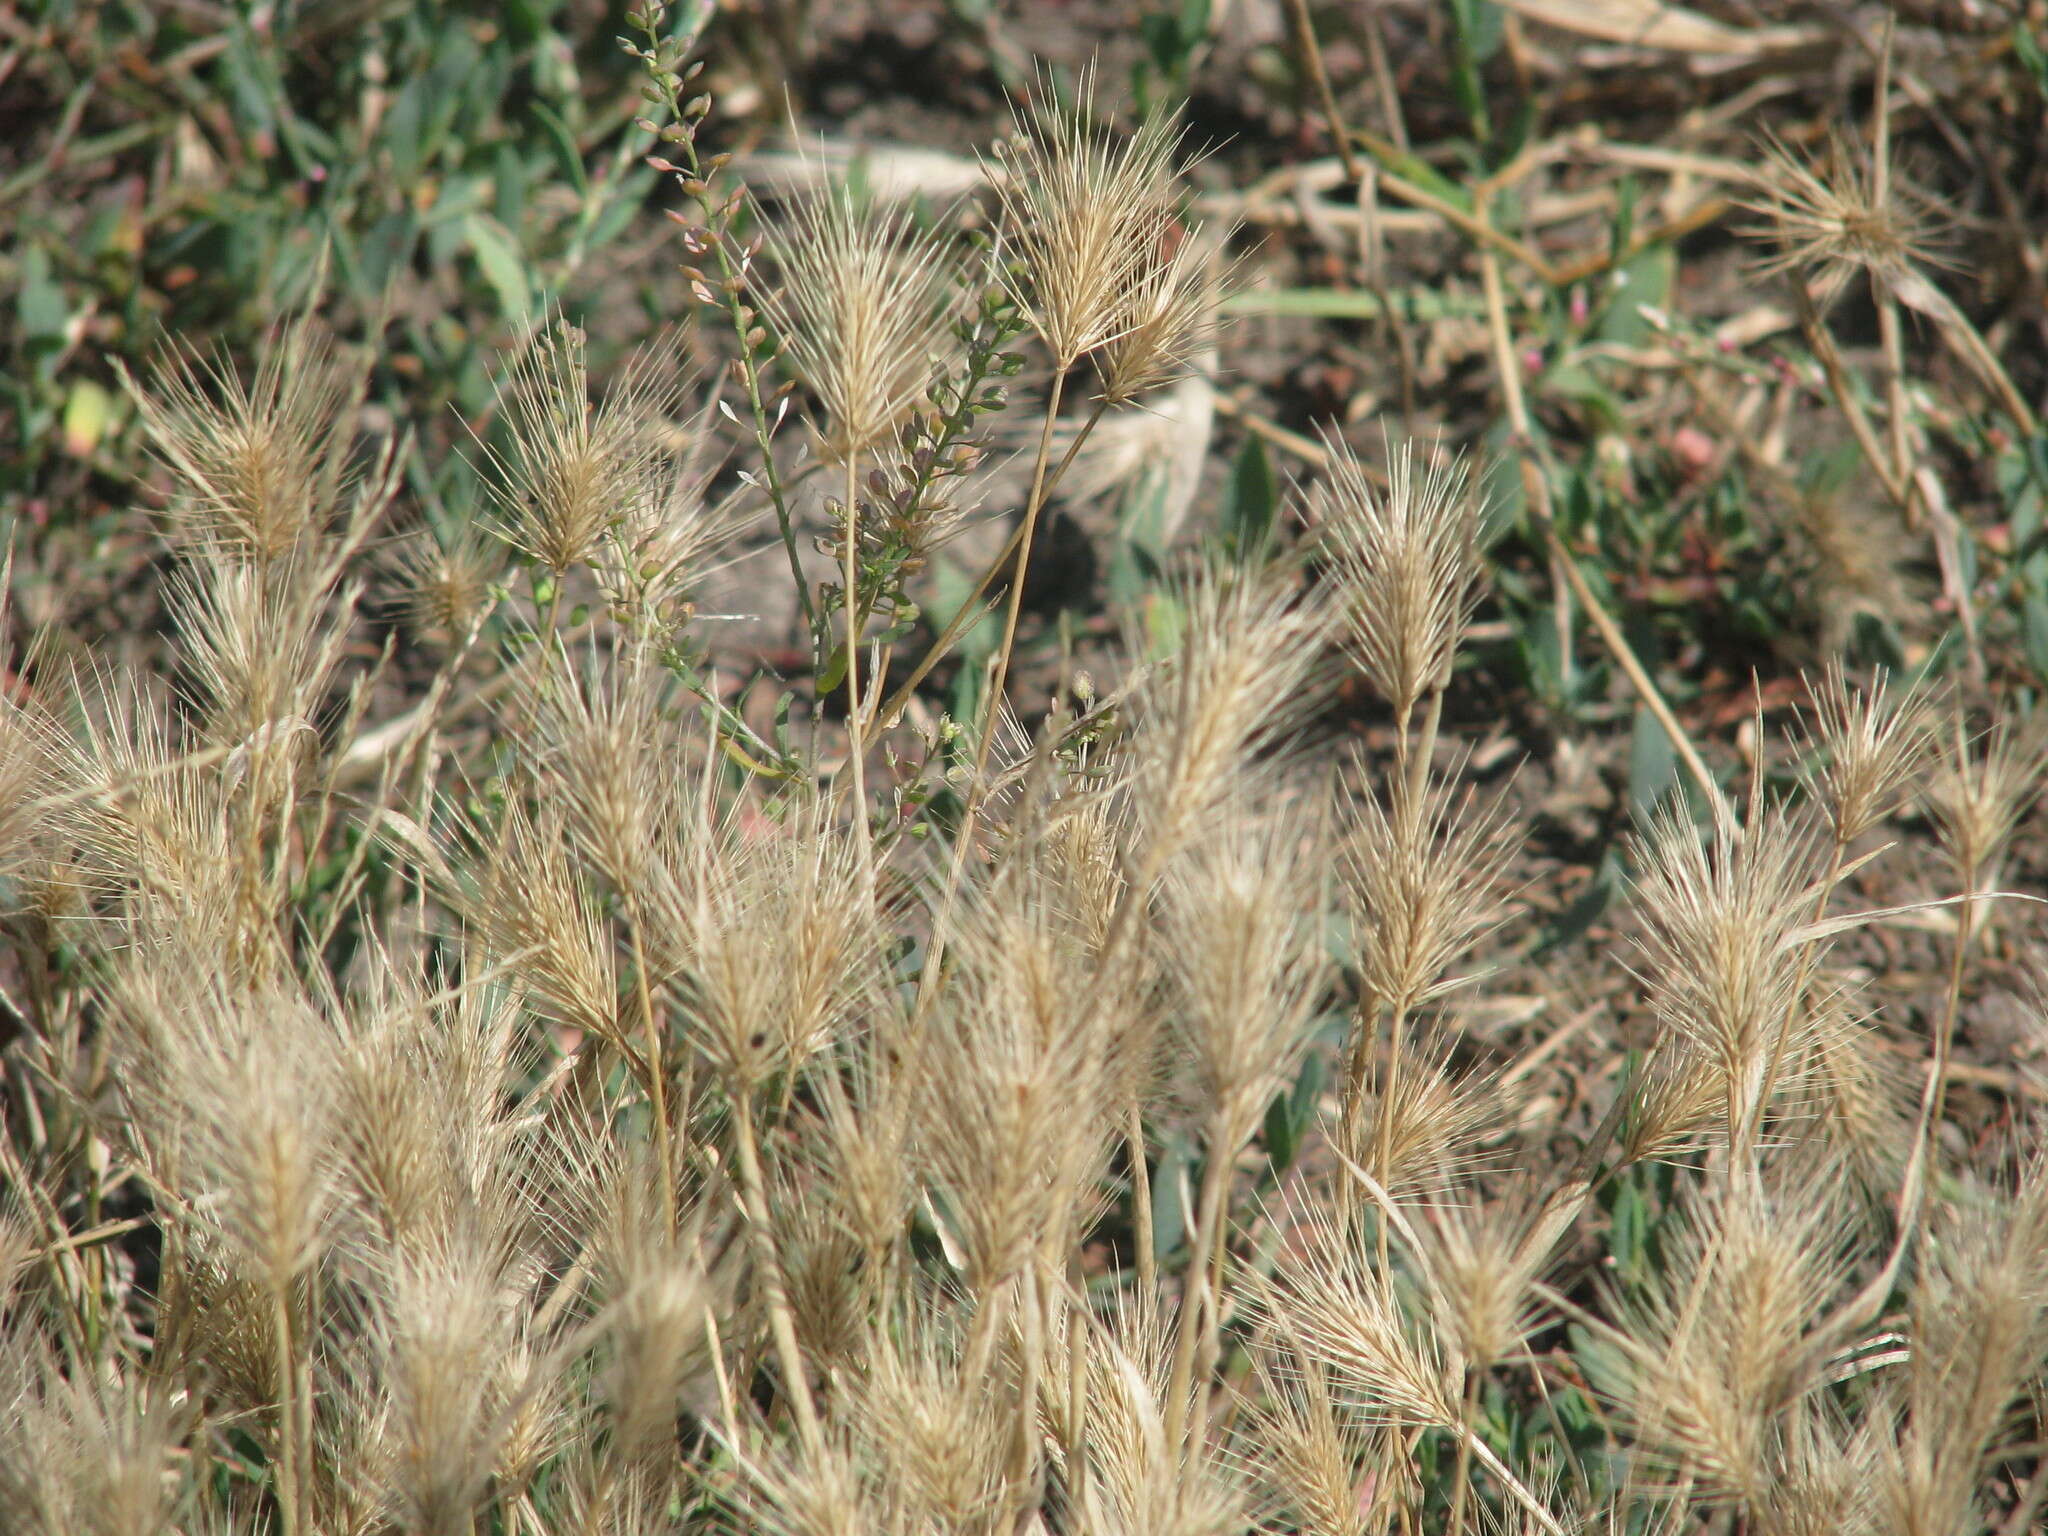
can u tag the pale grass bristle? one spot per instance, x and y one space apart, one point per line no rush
1483 1255
939 1435
1425 1124
1334 1301
445 582
1011 1108
443 1330
1248 967
1831 216
574 468
1086 213
1979 790
529 900
1407 563
864 306
1169 320
1872 742
776 944
1721 916
1707 1373
261 465
1425 878
1319 1465
1248 658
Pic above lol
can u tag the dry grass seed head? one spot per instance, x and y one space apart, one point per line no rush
1979 1319
1857 1090
427 1141
87 1455
530 902
1721 918
865 307
1243 941
657 1295
445 1323
1338 1310
1484 1255
820 1490
1320 1468
1012 1097
232 1097
1680 1099
939 1437
780 941
263 464
1830 218
1407 564
149 824
1850 556
1084 215
1821 1484
574 470
1235 692
1871 744
262 650
1726 1340
1170 319
1979 791
1140 1484
604 753
663 545
33 853
861 1149
445 582
1425 882
823 1274
1438 1123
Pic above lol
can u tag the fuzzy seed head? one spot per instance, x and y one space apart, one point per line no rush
445 583
1979 791
1833 217
1871 742
1407 561
1085 216
574 469
864 306
260 464
1722 917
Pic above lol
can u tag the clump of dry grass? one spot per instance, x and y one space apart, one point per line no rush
628 1124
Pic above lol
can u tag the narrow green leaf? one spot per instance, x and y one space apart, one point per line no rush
1249 504
502 265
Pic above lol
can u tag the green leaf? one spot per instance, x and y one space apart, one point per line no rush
1138 563
39 301
2034 628
1645 278
502 265
834 672
1169 1221
1652 765
87 414
978 642
1292 1114
2032 51
563 143
1628 1235
1250 501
